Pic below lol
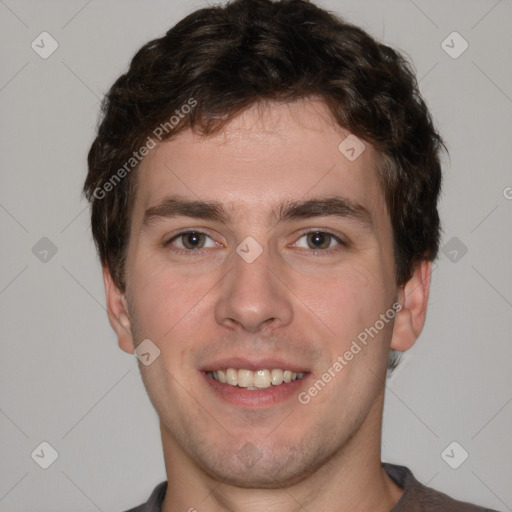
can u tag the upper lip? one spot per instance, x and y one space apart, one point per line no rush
253 364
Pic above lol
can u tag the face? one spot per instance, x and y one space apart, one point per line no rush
284 258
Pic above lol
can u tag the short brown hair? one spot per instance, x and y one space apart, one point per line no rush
228 58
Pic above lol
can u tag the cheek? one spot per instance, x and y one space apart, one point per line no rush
162 298
174 310
352 300
358 296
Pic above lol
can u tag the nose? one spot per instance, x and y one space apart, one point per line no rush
254 296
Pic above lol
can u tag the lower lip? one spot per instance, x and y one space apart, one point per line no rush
256 398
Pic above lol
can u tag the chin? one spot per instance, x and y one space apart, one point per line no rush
253 469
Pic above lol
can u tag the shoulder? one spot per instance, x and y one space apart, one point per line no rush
419 498
154 503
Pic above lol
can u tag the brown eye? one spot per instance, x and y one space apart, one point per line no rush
319 240
192 240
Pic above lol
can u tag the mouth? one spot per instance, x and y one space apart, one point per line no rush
253 380
259 383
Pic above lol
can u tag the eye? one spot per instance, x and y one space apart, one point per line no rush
320 241
189 241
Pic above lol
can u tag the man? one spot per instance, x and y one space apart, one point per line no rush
264 189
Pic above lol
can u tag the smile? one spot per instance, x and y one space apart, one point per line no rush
254 380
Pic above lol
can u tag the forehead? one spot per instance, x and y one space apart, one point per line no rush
266 154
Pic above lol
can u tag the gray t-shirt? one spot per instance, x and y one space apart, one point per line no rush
415 498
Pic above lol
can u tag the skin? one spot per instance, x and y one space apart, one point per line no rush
294 302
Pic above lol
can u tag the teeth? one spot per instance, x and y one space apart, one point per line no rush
245 378
277 377
260 379
231 377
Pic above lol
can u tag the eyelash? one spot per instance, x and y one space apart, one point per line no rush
199 252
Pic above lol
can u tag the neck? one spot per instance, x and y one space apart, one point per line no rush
351 480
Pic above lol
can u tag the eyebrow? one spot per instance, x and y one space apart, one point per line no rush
332 206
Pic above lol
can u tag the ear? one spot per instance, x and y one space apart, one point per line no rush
413 296
117 310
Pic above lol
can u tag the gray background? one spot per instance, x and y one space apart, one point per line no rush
63 378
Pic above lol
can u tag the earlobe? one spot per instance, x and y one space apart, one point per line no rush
118 314
413 297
